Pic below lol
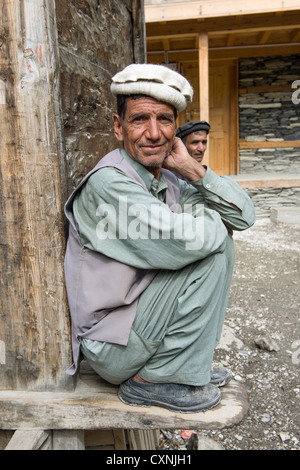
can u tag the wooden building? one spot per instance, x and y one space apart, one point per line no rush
243 60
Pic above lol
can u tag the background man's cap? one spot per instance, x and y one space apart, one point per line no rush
156 81
190 127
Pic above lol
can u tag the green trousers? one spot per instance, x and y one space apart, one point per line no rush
178 324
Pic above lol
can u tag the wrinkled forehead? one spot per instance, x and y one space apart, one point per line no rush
197 136
146 104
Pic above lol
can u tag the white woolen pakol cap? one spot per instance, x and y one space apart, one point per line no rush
157 81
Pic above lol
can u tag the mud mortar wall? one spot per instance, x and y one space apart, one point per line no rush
96 39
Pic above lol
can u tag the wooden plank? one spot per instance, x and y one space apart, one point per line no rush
67 439
119 439
95 405
143 439
5 437
99 438
27 439
269 144
267 181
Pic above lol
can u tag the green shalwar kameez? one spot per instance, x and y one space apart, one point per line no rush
180 314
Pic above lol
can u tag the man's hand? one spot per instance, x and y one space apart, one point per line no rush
180 161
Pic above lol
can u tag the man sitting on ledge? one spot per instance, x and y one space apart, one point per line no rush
149 257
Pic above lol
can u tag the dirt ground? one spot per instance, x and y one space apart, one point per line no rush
263 314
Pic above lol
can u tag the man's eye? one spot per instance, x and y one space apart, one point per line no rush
139 119
165 119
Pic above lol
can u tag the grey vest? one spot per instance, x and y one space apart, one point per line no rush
102 292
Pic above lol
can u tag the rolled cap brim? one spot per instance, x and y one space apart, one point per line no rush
156 81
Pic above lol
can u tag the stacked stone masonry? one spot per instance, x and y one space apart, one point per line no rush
264 199
269 116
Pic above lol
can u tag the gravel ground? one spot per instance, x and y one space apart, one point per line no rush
263 315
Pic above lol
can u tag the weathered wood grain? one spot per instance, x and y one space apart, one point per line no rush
56 62
34 320
28 439
95 405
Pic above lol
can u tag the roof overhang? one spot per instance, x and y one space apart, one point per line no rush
234 29
213 9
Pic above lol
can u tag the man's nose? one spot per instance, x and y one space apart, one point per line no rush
201 147
153 130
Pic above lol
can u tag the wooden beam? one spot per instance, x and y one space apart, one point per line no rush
204 82
233 52
255 29
225 24
253 50
270 144
266 180
215 34
215 8
166 44
296 35
264 37
34 324
231 39
203 76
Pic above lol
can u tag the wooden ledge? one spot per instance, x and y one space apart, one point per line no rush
95 405
265 180
269 144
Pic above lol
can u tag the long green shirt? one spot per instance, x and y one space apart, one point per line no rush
115 215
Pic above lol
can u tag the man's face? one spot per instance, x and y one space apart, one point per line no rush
148 130
196 144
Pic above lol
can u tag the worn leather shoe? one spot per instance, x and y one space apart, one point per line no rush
175 397
220 376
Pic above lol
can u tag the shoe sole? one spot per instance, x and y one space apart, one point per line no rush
147 403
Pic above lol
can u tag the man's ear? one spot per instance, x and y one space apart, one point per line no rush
118 128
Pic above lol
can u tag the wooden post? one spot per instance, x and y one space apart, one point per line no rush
34 322
204 83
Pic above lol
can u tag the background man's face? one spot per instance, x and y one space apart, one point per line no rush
196 144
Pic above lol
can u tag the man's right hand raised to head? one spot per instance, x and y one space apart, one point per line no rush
180 161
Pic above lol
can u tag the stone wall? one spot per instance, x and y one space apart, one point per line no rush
264 199
270 160
269 115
